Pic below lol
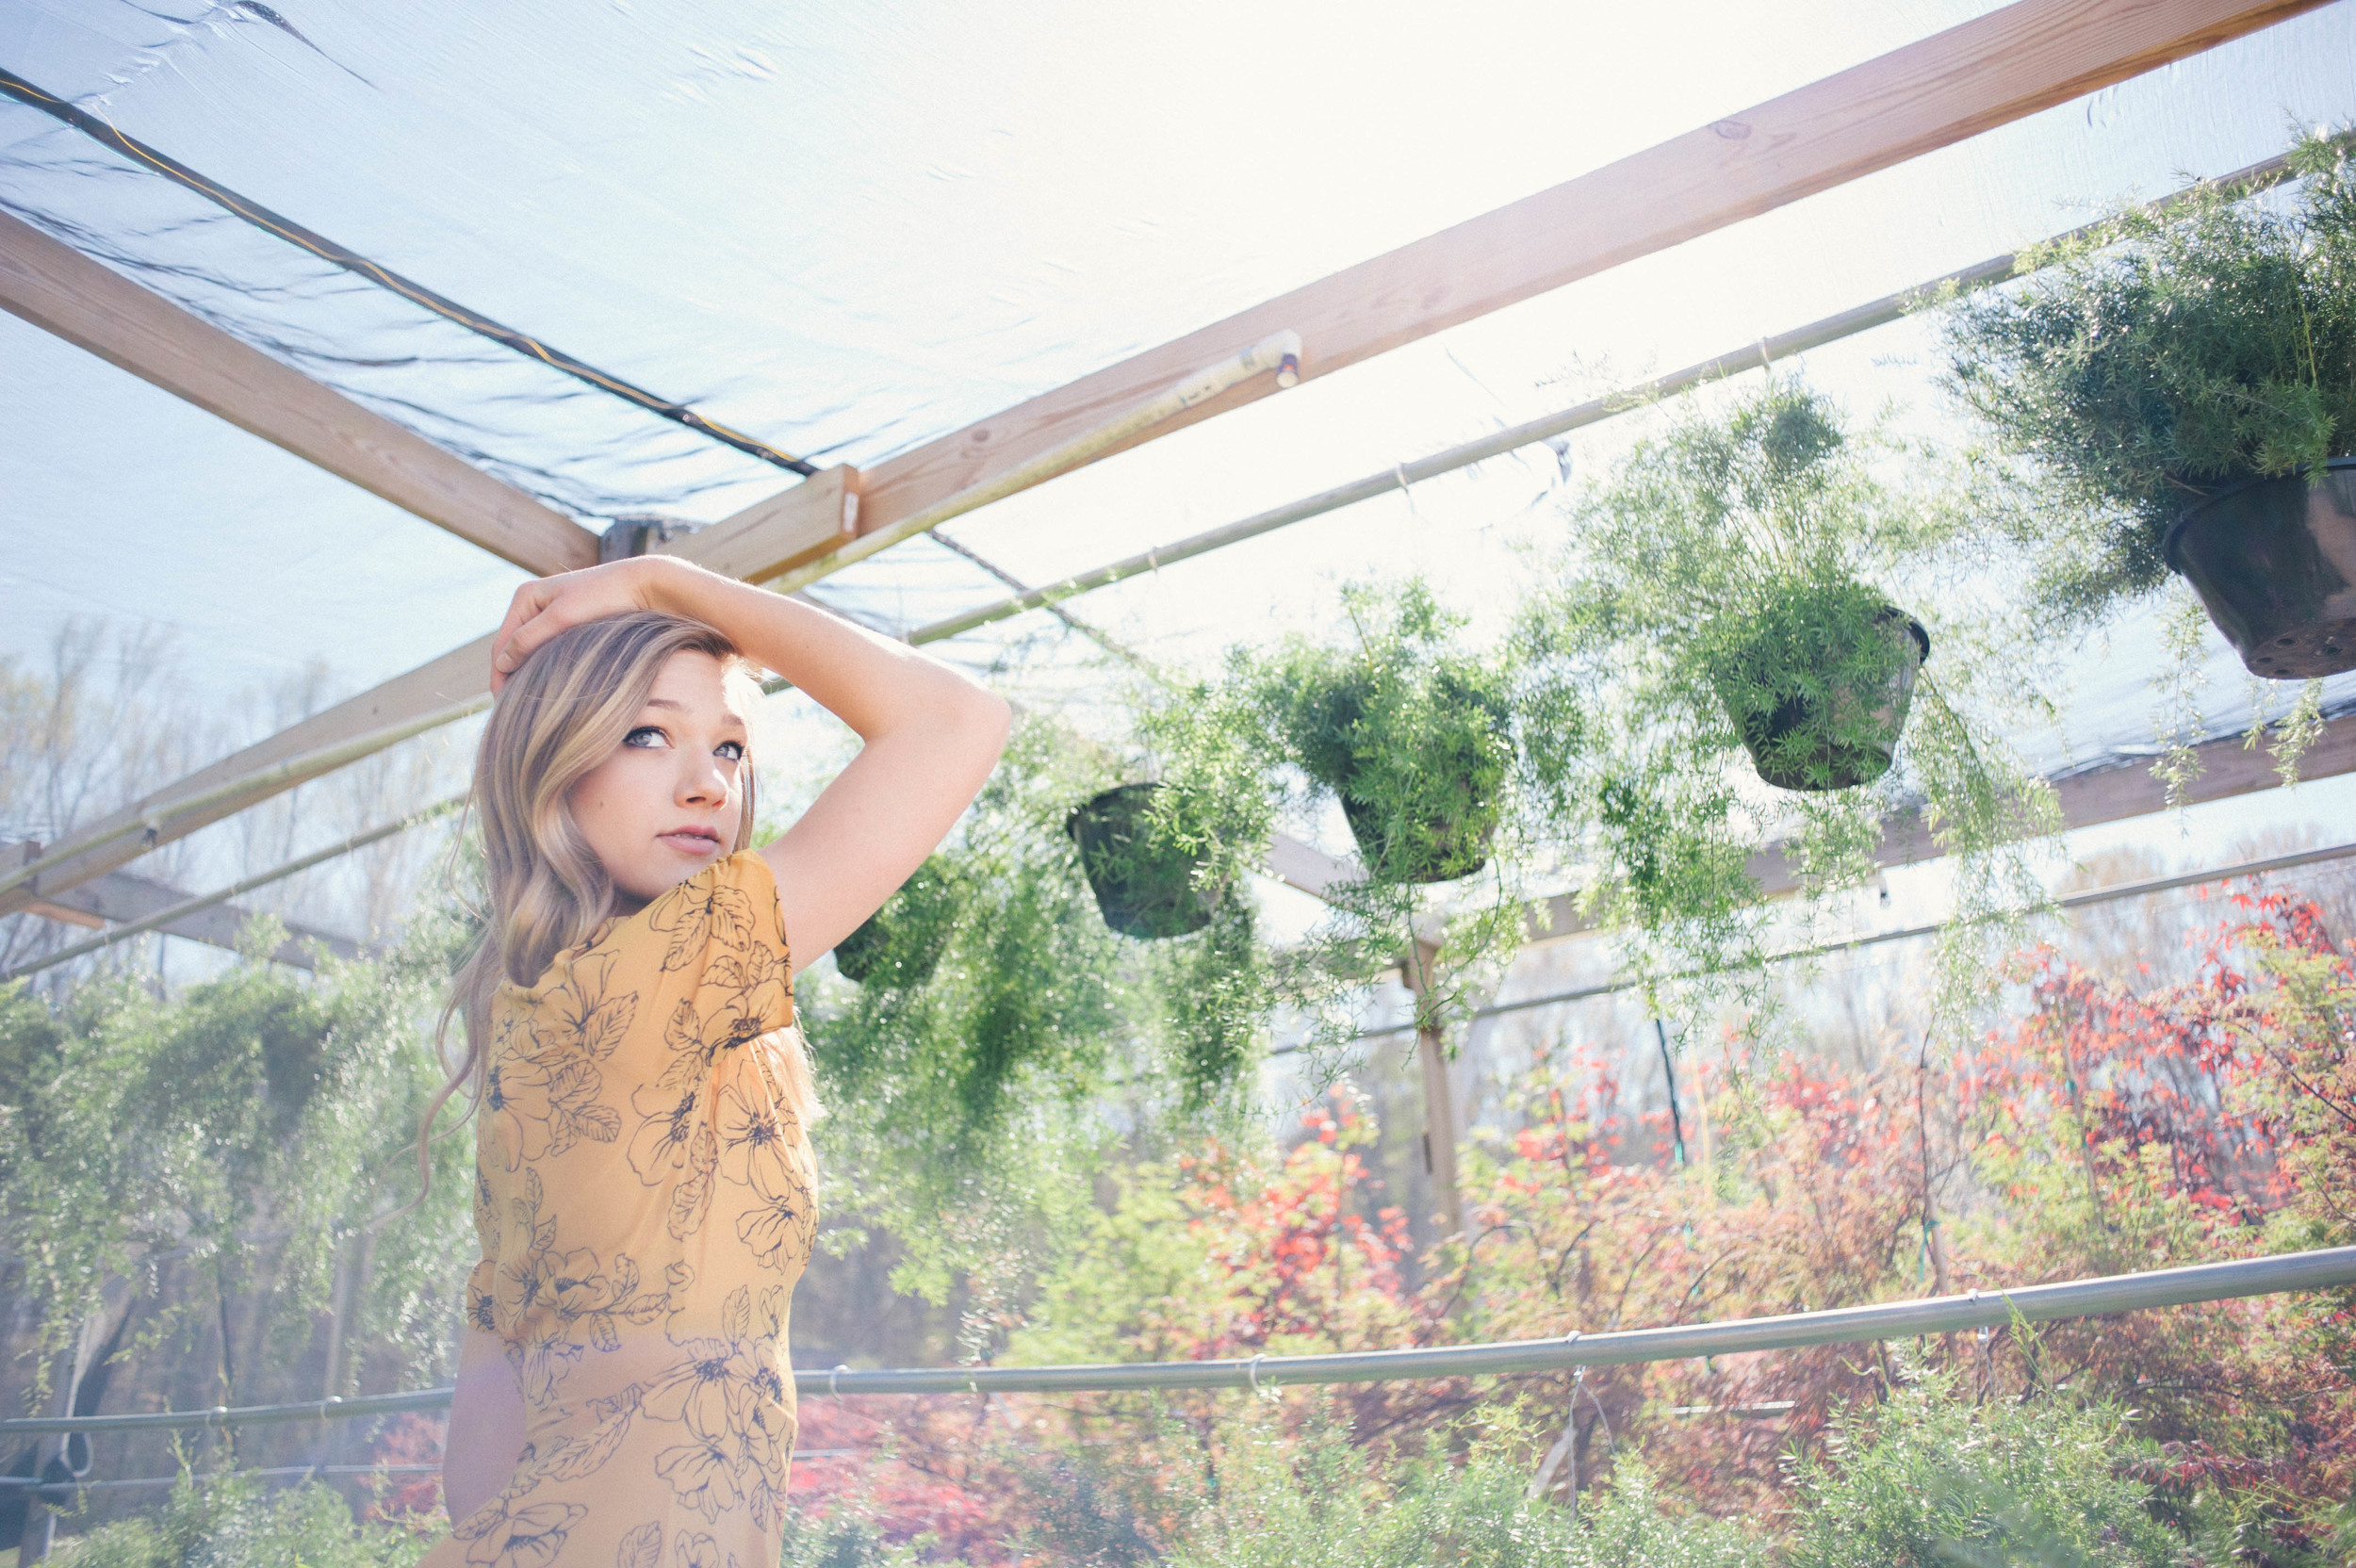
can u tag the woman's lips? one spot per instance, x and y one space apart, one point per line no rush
690 842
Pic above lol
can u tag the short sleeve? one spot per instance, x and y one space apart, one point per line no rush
761 884
482 1298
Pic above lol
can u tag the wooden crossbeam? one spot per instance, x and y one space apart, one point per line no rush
2112 791
119 896
60 290
2117 789
1986 72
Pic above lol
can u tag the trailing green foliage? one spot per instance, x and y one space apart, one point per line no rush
966 1080
136 1127
2160 358
1446 763
1734 601
901 943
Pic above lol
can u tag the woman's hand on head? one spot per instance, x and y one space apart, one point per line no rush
548 605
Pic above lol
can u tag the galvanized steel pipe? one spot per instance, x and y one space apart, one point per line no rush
2325 1269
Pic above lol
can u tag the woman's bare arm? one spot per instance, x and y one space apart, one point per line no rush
932 736
486 1426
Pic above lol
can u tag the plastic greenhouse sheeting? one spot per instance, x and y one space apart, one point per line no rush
847 229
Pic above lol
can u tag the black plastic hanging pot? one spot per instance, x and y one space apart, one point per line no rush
2275 565
1446 847
903 940
1834 740
1454 817
1143 888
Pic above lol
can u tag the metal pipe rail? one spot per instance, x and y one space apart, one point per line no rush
2325 1269
113 935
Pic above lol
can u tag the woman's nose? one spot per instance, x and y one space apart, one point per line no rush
702 783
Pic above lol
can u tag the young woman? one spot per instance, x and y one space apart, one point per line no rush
644 1180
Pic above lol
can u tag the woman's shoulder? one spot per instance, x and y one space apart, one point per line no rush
726 913
727 908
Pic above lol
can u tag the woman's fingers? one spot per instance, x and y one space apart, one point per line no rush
528 623
549 605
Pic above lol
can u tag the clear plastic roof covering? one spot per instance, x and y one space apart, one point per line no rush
846 229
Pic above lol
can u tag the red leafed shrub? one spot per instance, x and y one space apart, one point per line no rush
2104 1129
411 1438
1289 1249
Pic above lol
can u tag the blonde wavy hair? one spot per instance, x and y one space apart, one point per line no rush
563 713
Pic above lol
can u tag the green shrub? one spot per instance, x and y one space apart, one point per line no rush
1927 1480
841 1539
1306 1501
234 1524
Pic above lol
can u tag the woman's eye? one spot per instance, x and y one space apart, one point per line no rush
646 735
732 751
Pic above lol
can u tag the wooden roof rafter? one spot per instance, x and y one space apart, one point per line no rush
60 290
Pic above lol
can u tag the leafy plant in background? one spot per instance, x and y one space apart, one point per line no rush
2158 359
1444 762
235 1523
1729 611
137 1126
1926 1480
900 944
971 1068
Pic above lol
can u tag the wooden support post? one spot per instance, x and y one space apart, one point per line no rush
1439 1091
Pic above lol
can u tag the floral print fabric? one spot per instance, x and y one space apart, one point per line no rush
644 1195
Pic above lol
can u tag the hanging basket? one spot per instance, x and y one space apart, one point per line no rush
1445 847
1815 740
1142 888
1453 818
903 941
2275 565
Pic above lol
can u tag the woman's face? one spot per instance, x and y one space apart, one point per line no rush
667 802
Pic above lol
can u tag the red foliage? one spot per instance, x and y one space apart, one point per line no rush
412 1438
1292 1248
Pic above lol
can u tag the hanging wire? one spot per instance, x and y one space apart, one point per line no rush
1668 1070
359 266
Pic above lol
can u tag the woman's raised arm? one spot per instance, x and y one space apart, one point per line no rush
932 735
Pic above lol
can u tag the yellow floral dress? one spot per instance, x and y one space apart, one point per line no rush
643 1194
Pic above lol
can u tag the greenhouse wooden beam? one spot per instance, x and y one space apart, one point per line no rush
785 526
62 291
2115 791
119 896
2105 792
1952 85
